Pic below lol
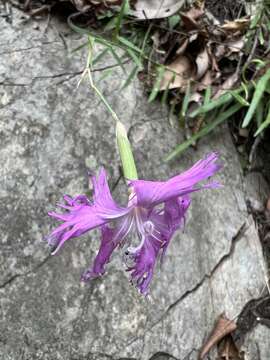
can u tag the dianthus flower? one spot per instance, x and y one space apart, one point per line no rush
155 211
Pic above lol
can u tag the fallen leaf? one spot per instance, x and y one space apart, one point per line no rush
183 47
84 5
202 62
182 70
153 9
195 12
189 17
268 204
236 25
206 80
236 46
223 327
227 350
227 85
188 23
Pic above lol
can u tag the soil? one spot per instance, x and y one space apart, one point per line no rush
226 9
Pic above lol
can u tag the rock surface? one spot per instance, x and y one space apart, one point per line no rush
51 134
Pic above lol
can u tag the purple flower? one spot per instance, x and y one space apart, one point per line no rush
155 210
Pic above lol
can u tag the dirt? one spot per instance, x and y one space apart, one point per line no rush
225 9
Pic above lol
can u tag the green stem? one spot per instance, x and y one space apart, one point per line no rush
124 147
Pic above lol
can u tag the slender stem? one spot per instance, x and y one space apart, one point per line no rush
93 86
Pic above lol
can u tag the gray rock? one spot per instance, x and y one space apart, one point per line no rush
257 344
51 133
257 191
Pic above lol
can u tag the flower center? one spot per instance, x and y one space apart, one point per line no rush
149 227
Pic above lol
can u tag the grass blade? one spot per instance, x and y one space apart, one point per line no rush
207 95
185 101
204 131
265 124
99 56
258 93
117 59
156 87
131 76
222 100
129 44
240 99
134 57
123 11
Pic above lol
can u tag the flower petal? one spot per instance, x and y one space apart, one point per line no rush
151 193
82 215
103 256
165 225
144 263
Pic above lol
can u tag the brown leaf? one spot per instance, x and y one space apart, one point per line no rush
202 62
195 12
188 23
268 204
236 25
206 80
227 85
223 327
153 9
236 46
182 47
227 350
182 71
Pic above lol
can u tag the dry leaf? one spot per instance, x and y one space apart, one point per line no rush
268 204
236 46
205 81
182 71
227 350
183 47
202 62
188 22
236 25
84 5
227 85
153 9
223 327
189 18
195 12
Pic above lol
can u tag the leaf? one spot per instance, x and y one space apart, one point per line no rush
129 44
177 74
258 93
173 21
123 11
135 58
207 95
239 98
100 56
227 85
153 9
204 131
156 87
202 62
236 25
227 350
118 59
223 327
185 101
212 105
265 124
131 76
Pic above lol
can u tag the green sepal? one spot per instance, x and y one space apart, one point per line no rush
124 147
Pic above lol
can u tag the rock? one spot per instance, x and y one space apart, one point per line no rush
257 191
257 344
51 132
